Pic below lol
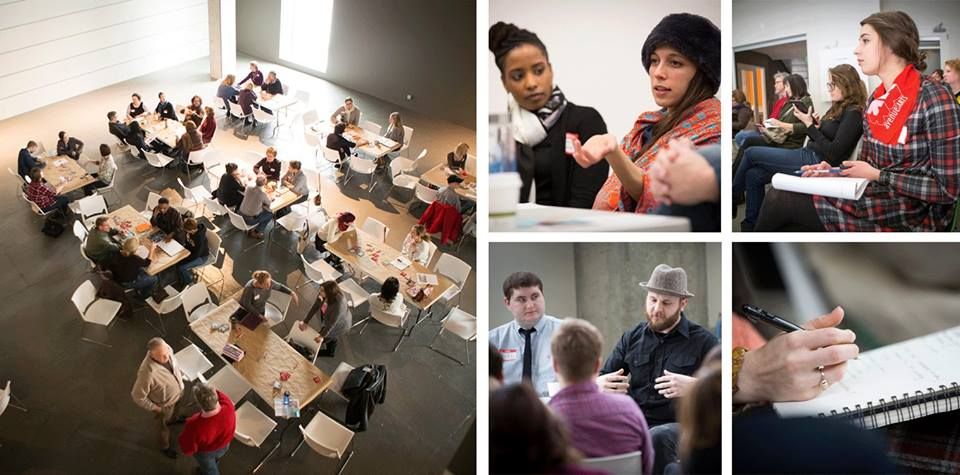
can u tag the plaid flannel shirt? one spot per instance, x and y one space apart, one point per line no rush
42 194
924 173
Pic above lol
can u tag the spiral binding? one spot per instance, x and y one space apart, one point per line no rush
901 408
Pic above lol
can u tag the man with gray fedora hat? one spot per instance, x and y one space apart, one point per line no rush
653 362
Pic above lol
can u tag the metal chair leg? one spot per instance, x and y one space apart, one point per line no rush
403 333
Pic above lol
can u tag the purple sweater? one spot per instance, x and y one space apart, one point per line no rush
603 424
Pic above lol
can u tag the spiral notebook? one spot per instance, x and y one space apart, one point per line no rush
897 383
834 187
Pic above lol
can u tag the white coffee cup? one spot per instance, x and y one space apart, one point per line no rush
504 193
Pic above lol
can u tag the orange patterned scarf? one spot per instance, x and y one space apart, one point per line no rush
702 128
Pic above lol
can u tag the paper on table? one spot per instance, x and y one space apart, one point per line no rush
401 262
895 370
427 279
172 248
835 187
142 252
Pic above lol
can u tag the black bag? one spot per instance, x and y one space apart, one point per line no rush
364 387
52 228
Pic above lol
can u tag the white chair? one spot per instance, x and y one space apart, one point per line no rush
375 228
90 207
21 183
194 195
339 377
389 319
399 178
363 167
276 309
214 172
309 117
317 272
461 324
192 362
213 257
425 193
167 305
94 310
371 127
327 438
407 136
266 118
241 225
110 187
303 98
230 383
253 426
285 88
153 200
80 232
431 250
331 156
305 338
237 111
292 222
629 463
214 206
313 141
455 270
5 395
196 302
83 252
200 158
355 294
409 166
158 161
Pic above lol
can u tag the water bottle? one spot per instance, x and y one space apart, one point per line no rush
286 398
502 146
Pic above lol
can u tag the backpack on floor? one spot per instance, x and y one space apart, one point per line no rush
52 228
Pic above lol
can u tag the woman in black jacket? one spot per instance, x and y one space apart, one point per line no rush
336 141
544 123
195 241
230 191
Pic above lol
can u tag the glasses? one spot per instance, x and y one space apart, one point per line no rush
831 86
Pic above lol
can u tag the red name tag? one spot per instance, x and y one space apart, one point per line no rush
568 144
509 354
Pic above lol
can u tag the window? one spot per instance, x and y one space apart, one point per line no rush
305 32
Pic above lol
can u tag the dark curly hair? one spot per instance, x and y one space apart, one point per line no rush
503 37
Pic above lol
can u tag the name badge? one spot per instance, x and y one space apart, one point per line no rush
509 354
568 144
256 297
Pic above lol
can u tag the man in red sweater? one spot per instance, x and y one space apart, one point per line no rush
207 434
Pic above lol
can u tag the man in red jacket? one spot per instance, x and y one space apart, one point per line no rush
207 434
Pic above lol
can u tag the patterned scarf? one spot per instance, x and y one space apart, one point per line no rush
888 112
531 128
701 127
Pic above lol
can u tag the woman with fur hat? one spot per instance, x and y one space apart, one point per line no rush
682 56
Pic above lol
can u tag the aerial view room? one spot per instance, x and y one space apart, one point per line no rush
244 236
605 358
847 351
848 120
587 136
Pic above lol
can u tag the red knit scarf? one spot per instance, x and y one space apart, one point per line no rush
889 110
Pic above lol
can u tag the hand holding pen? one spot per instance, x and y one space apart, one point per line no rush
793 366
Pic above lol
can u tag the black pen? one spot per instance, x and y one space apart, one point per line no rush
757 314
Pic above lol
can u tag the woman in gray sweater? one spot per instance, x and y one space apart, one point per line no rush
335 317
257 292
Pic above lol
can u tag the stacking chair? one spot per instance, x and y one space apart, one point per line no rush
363 167
196 302
276 309
192 362
372 127
97 311
237 111
167 305
241 225
408 166
305 338
5 395
375 228
253 428
407 136
339 377
213 259
461 324
389 319
425 193
230 383
90 208
317 272
158 161
327 438
400 179
194 195
266 118
354 293
454 269
616 464
80 232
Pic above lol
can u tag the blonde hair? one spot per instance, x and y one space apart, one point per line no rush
248 86
271 151
462 149
953 64
130 246
229 80
397 120
261 276
576 347
420 231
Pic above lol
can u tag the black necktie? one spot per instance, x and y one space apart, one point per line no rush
527 354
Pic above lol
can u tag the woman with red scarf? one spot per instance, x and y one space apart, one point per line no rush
910 152
682 56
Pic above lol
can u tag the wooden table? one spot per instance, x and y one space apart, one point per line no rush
266 356
167 131
537 218
437 176
377 147
376 262
127 219
283 199
63 171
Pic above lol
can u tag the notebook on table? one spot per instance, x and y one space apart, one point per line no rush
893 384
835 187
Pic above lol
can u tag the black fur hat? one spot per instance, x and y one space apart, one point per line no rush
693 36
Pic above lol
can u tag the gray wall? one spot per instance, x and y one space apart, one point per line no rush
599 281
388 49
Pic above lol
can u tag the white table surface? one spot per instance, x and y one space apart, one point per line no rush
532 217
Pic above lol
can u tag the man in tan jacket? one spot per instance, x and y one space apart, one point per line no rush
158 388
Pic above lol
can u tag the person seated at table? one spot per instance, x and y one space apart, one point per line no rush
227 92
348 113
190 141
415 245
130 270
165 109
48 198
254 76
335 317
167 219
296 181
209 125
257 292
69 146
247 100
136 106
389 299
268 166
195 241
457 159
330 232
255 207
336 141
117 129
194 112
106 168
271 87
137 137
448 194
28 159
230 191
100 245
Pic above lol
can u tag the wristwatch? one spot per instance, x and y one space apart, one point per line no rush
738 354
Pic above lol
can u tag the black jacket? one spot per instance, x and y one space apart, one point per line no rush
364 387
165 109
568 184
119 130
340 144
230 192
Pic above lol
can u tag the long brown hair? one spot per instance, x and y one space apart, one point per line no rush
699 91
334 298
854 92
525 437
899 32
700 410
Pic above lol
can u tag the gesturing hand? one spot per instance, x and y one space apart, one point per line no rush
613 382
596 149
681 175
673 385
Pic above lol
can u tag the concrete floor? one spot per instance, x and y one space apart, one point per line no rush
81 418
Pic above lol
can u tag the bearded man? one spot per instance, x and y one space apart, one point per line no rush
652 362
